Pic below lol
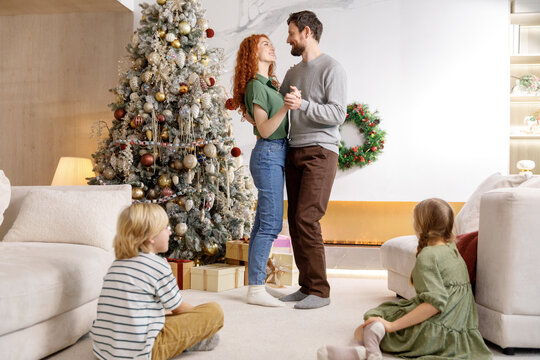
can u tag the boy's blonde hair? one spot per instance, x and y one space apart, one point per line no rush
137 224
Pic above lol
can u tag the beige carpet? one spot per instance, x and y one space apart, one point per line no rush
254 332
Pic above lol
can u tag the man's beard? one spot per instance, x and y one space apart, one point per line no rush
297 50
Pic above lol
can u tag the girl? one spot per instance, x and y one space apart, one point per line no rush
137 289
441 321
256 95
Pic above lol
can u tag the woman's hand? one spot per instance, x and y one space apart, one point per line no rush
388 326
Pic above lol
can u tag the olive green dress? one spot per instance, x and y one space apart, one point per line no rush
440 278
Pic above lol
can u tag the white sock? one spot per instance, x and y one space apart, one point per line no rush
373 334
257 295
330 352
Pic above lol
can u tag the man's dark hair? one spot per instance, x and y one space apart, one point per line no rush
307 18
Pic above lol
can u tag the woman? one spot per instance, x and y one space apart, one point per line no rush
256 95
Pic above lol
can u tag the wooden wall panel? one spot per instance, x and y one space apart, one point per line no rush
55 73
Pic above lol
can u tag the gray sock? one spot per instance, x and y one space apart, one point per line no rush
295 296
206 344
312 302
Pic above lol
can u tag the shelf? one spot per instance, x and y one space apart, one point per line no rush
524 99
525 136
525 59
525 19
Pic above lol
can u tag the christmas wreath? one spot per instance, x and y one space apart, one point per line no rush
368 124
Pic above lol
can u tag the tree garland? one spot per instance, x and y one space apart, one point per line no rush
368 124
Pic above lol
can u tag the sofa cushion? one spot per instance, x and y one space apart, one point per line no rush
399 254
5 194
77 217
533 182
42 280
467 220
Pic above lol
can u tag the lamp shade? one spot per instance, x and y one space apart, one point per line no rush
72 171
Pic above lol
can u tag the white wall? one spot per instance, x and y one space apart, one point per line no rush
436 70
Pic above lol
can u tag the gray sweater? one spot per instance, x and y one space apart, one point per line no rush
323 84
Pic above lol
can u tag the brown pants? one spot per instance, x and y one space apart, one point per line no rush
310 173
185 330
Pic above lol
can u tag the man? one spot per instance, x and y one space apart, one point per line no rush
317 99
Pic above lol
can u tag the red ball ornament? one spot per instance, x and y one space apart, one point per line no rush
138 120
210 33
161 118
147 159
123 146
119 113
236 152
166 191
212 81
373 148
229 104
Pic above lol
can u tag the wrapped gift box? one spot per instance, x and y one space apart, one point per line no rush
217 277
181 270
282 245
237 250
281 270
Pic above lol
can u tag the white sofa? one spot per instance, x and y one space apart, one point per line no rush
48 289
508 266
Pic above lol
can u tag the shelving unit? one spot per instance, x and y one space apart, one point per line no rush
527 61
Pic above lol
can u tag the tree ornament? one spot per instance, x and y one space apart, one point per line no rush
210 150
160 96
184 88
138 121
210 168
367 123
229 104
164 181
205 60
165 134
180 59
146 76
175 179
200 49
180 229
206 101
161 33
235 151
195 110
211 81
153 58
201 158
210 249
109 173
210 33
148 107
170 37
178 165
137 193
193 78
147 159
176 44
161 2
203 84
188 204
119 113
134 97
149 135
167 113
184 28
190 161
160 118
166 192
203 23
139 63
152 194
134 83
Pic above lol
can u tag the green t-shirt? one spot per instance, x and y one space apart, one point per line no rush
262 92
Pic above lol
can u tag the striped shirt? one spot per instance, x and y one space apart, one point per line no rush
130 308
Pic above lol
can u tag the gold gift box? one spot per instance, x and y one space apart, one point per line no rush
283 270
237 250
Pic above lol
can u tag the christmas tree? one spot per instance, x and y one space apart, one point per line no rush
171 136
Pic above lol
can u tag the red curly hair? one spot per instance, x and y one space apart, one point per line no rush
247 64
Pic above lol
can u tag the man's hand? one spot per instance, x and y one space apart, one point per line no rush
293 100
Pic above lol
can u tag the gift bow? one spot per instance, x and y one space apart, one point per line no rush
274 271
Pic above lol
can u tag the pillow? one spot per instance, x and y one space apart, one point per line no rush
75 217
467 220
533 182
5 194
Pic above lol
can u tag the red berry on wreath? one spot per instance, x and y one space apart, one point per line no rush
362 159
210 33
229 104
236 152
373 148
119 113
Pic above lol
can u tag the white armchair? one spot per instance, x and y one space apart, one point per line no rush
507 272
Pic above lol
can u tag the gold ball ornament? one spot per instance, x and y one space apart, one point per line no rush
184 28
164 181
190 161
176 44
178 165
165 135
194 57
137 193
197 262
161 33
181 228
109 173
149 134
160 96
210 249
184 88
152 194
161 2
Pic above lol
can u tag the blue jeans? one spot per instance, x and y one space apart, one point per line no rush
267 165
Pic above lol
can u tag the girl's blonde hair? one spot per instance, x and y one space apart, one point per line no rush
137 224
433 218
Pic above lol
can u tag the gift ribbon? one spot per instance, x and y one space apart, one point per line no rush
274 270
179 271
